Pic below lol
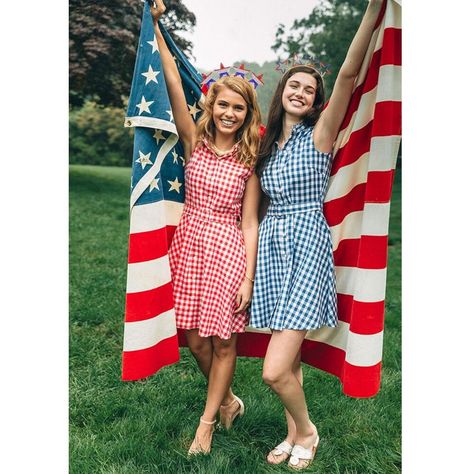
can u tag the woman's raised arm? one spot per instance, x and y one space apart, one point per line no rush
184 123
327 128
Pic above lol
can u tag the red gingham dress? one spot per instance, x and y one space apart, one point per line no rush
207 254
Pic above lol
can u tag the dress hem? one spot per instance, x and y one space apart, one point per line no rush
295 329
212 334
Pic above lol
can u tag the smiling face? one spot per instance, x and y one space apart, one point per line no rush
299 94
229 111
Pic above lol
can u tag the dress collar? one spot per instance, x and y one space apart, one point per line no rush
296 131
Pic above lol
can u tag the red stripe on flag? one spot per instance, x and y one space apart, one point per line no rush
389 54
170 232
392 47
364 318
149 245
345 304
358 144
148 304
386 121
346 253
373 251
387 118
367 318
323 356
252 344
336 210
379 186
143 363
370 251
373 191
361 382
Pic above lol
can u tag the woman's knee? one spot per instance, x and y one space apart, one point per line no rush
224 348
274 377
200 348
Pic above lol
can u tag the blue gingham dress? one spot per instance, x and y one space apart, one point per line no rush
295 284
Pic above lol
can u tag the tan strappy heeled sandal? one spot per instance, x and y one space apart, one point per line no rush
198 449
227 424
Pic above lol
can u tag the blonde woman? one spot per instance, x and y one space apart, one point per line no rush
213 252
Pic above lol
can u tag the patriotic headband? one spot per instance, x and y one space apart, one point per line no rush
240 71
302 60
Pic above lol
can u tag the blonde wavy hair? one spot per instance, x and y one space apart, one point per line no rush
248 133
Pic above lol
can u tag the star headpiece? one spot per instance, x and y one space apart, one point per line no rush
238 71
303 60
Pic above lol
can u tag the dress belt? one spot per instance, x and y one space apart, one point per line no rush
210 215
281 210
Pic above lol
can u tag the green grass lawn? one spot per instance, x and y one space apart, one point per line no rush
147 426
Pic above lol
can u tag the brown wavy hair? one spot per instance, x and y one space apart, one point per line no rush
248 133
276 112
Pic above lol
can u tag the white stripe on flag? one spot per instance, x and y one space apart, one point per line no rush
366 285
143 334
376 217
336 337
147 217
364 350
143 276
373 220
390 83
347 178
383 153
375 43
151 122
349 228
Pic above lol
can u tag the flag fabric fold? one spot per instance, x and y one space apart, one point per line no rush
357 208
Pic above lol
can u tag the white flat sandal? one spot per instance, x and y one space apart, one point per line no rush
283 448
298 453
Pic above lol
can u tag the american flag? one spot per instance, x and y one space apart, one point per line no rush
156 201
357 208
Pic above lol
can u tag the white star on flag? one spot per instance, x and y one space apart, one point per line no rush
175 185
158 136
144 105
150 75
193 110
144 159
154 184
171 115
175 156
154 44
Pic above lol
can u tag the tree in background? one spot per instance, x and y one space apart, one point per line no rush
325 34
102 46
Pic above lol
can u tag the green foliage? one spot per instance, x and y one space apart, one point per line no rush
103 39
147 426
97 136
325 34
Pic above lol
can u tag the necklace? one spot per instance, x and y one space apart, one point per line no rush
220 152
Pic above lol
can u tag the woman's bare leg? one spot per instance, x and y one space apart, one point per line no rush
278 373
273 458
222 369
201 348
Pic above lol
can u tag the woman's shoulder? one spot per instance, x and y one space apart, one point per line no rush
307 141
